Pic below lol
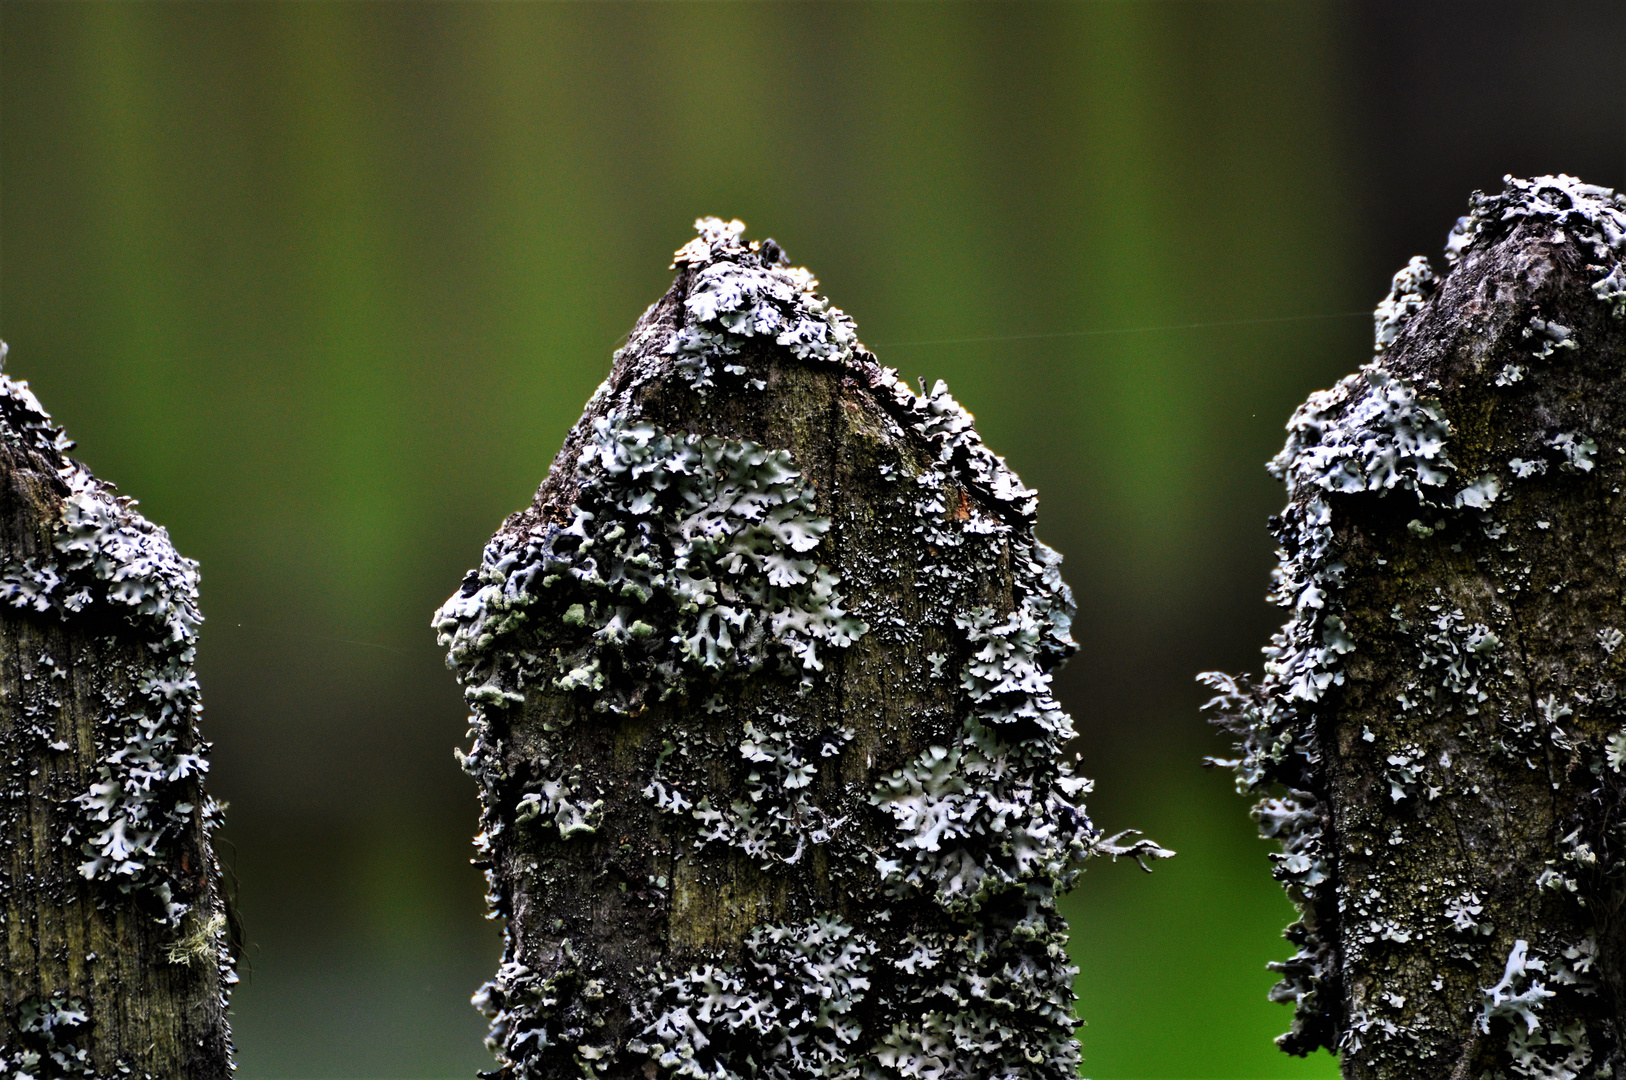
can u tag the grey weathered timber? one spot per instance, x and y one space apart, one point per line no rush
1440 732
772 776
114 962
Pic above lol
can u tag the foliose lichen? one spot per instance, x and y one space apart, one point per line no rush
785 1014
777 818
51 1032
705 538
745 292
1380 434
702 590
1592 216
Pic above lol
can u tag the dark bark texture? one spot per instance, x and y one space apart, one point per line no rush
114 961
1440 732
772 778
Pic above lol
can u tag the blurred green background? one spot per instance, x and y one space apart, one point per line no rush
324 285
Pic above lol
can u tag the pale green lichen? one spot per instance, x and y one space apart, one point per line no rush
52 1031
787 1013
746 292
709 539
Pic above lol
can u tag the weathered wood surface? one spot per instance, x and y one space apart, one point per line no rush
114 961
1441 728
771 773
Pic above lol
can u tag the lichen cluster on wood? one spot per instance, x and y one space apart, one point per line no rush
115 961
772 778
1440 732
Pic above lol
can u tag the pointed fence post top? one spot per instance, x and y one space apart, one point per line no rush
771 772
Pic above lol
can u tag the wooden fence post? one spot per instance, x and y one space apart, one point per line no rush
115 960
772 776
1440 732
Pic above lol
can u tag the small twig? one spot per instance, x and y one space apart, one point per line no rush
1470 1050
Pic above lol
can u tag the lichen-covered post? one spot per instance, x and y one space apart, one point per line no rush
1440 732
773 780
115 960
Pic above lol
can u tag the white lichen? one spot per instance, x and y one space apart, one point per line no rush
1464 912
54 1042
1413 284
743 292
786 1014
777 819
1593 216
1615 752
1519 996
709 539
1548 337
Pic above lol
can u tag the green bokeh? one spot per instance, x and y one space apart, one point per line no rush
324 285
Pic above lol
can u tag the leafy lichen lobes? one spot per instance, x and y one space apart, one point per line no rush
771 772
102 709
1430 739
709 540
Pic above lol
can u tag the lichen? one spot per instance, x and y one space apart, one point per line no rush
1549 337
1577 451
531 1013
743 292
1413 285
1507 999
1537 1048
708 539
701 589
785 1014
52 1030
1594 217
777 819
